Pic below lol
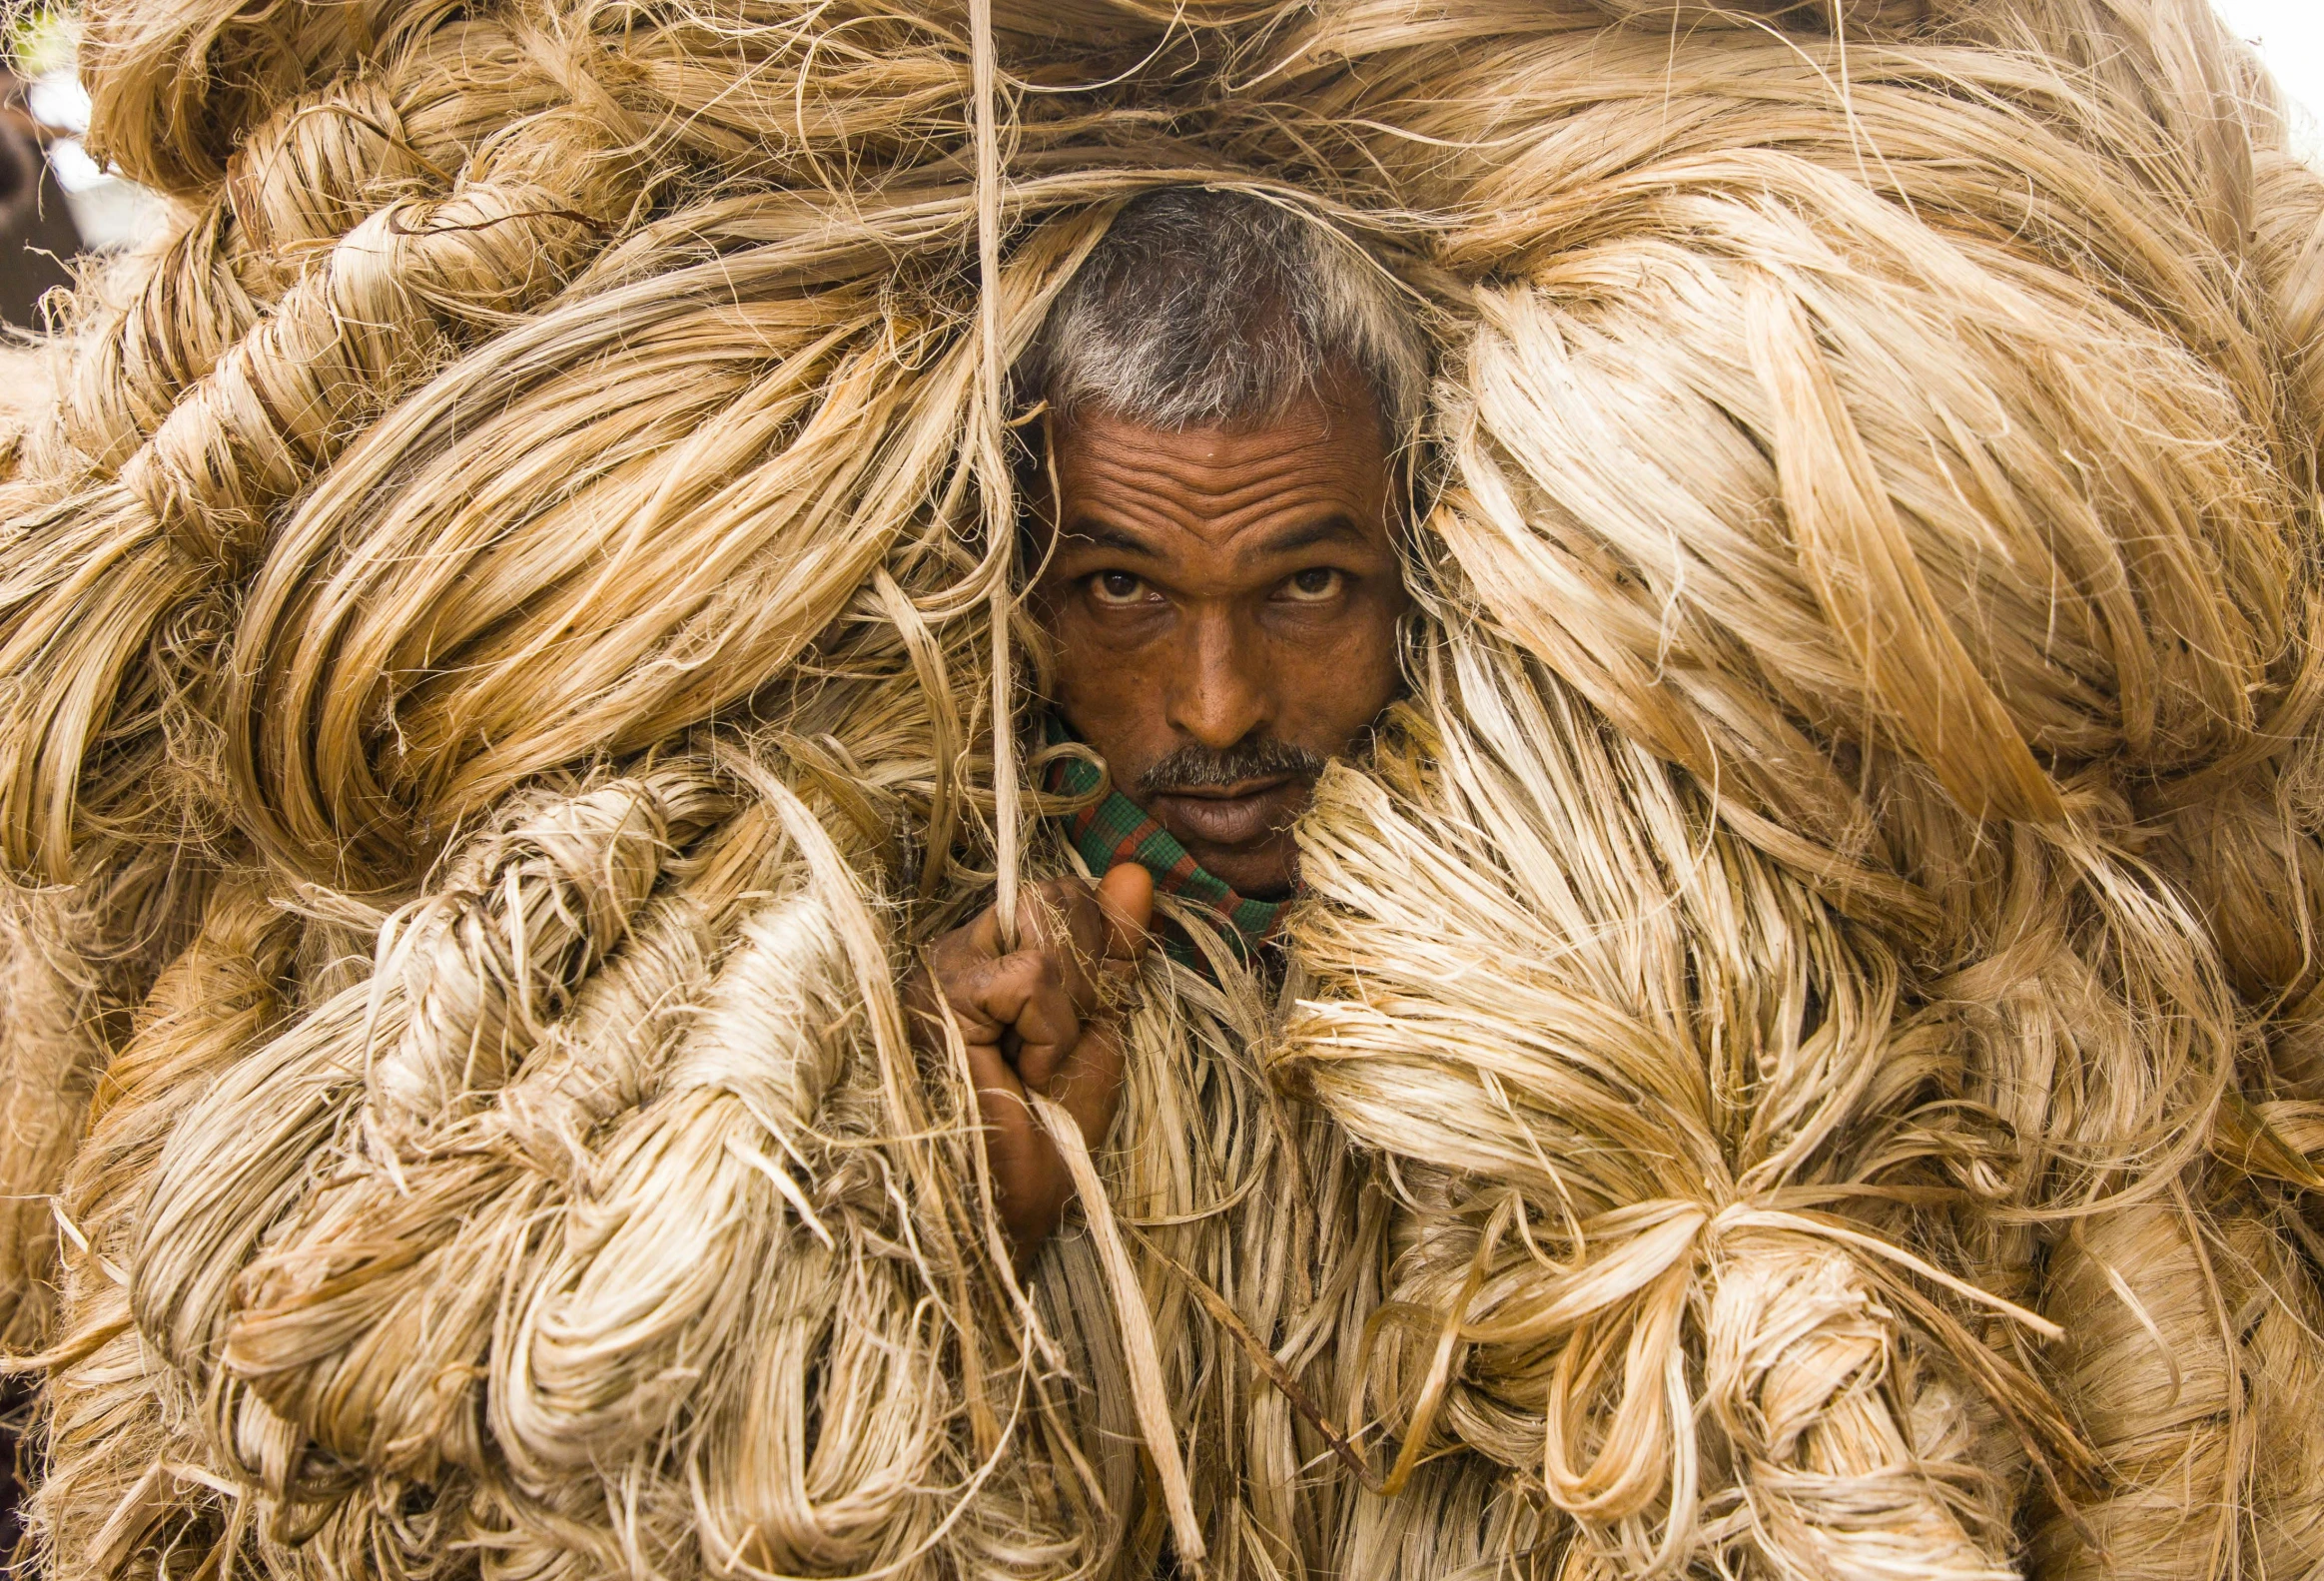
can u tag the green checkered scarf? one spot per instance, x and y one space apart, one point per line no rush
1118 830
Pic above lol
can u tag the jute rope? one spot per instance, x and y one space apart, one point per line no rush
1801 1054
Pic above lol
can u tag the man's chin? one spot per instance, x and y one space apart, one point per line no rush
1266 874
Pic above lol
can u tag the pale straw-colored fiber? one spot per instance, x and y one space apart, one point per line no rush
1803 1053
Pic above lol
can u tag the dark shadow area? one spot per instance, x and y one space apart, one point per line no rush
38 239
15 1426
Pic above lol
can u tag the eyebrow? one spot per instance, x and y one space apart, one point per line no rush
1085 533
1334 529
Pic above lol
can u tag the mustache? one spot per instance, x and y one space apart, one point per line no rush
1201 768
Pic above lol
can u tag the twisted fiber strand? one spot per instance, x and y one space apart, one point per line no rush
296 182
54 1047
109 1426
193 502
2145 953
533 680
1588 1146
75 963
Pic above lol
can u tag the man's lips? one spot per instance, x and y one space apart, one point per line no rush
1228 815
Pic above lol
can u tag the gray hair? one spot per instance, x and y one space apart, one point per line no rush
1202 306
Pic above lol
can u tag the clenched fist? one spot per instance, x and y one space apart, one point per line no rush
1042 1018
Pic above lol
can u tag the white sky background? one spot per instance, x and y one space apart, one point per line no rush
2290 35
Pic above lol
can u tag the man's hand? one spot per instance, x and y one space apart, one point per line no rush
1041 1017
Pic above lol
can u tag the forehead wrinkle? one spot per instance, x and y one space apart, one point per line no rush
1244 535
1230 486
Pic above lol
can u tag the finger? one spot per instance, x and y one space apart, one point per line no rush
979 940
1125 901
1108 931
1097 934
1027 1177
1066 924
1113 928
1039 908
995 992
930 1001
1049 1026
978 1004
1087 1082
961 955
982 939
1023 996
1034 1000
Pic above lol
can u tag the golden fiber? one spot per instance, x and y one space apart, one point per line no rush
1803 1054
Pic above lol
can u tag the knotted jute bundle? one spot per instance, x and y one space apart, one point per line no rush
1803 1053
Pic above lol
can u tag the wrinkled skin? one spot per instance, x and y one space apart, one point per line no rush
1223 604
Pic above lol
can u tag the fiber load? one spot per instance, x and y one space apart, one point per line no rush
1802 1055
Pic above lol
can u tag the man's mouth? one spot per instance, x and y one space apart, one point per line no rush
1228 815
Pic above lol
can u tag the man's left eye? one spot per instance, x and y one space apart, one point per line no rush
1314 584
1117 589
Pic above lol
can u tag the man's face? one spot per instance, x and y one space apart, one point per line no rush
1224 604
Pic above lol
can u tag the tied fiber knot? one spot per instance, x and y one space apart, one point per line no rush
465 980
1834 1420
304 177
192 509
484 965
1833 1378
394 298
1655 1249
312 173
176 89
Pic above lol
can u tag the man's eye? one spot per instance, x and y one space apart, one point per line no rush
1116 587
1314 584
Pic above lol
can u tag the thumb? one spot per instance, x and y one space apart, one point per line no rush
1126 895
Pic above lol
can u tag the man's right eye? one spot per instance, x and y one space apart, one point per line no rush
1116 587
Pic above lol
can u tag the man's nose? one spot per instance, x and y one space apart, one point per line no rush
1219 695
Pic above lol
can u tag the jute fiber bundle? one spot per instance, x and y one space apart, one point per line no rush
1804 1054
